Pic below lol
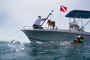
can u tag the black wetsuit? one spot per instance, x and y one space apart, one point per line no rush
74 41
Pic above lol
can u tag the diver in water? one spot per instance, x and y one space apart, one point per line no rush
79 39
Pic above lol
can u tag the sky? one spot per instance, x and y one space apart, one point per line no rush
14 14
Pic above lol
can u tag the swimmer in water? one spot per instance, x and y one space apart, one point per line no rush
79 39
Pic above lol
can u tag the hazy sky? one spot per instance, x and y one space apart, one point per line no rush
14 14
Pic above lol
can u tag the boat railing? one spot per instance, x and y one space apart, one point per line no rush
31 27
27 27
45 28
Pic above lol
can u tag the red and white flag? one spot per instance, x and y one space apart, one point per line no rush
63 8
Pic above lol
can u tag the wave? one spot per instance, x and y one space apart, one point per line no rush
10 46
41 50
61 43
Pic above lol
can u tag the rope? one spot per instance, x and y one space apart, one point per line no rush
10 35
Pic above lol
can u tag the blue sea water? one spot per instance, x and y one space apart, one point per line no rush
62 50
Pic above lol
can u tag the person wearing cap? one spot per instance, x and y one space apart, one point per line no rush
79 39
36 24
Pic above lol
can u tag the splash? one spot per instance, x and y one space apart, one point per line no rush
60 43
10 46
65 43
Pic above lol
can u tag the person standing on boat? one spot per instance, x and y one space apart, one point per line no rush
37 25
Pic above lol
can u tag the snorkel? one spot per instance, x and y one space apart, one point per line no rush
81 40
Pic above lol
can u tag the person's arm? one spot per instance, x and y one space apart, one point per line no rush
45 18
74 41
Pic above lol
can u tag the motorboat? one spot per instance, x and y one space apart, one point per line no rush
56 34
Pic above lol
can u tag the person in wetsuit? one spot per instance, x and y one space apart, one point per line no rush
79 39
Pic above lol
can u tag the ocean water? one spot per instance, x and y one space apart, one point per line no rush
62 50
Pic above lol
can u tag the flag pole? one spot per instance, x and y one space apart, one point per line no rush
63 9
60 16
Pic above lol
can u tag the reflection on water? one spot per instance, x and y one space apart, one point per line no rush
44 51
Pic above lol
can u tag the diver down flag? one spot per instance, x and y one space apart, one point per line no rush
63 8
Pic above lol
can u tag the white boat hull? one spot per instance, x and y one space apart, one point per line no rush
54 35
